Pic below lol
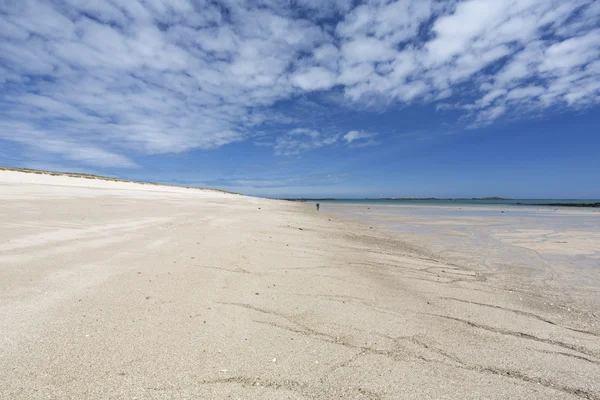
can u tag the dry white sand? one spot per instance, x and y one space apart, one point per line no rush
115 290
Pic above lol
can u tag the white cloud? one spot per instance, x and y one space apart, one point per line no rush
299 140
278 181
303 131
367 49
149 77
491 96
83 152
390 21
572 53
360 138
315 78
455 32
525 93
355 74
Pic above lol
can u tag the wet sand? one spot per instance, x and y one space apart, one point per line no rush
556 249
113 290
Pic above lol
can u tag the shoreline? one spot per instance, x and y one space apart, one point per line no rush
592 203
472 207
122 291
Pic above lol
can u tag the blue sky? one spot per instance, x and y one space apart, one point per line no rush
308 97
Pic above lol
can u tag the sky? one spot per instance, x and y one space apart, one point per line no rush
308 98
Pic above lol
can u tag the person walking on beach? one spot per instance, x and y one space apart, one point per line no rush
318 206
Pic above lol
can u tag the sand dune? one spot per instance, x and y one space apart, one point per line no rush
114 290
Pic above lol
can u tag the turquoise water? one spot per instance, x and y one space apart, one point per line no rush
459 202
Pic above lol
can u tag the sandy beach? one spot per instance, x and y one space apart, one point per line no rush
116 290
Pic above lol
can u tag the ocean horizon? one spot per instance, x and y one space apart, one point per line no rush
455 202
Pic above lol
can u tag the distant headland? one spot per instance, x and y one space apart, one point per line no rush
591 205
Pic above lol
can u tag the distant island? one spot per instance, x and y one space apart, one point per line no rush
490 198
409 198
591 205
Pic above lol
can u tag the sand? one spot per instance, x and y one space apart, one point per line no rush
112 290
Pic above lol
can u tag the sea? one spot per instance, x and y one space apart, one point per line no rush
459 202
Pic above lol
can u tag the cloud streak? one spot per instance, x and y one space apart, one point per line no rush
279 181
360 139
102 82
